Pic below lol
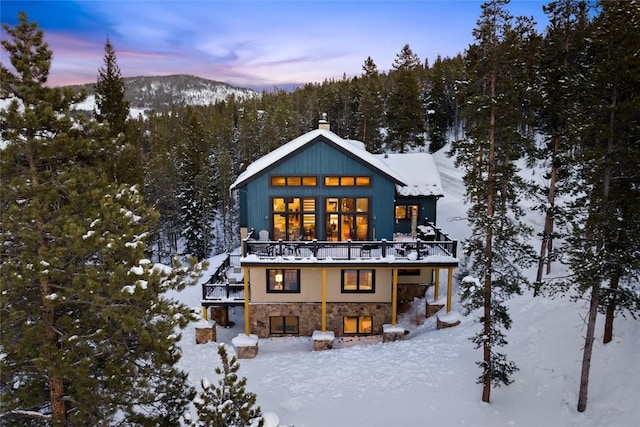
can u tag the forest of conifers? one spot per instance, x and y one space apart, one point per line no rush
86 201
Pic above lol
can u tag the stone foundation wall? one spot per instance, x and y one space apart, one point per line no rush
407 292
310 319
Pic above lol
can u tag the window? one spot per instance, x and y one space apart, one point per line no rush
294 181
347 181
283 281
406 211
347 218
358 281
357 324
284 324
408 272
294 218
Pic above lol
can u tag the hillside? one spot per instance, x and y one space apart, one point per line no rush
161 92
430 377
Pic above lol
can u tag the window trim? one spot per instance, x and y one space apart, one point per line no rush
358 325
284 318
273 290
357 180
305 180
358 290
407 209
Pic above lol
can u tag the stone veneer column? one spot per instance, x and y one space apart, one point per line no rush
323 340
246 346
392 333
205 331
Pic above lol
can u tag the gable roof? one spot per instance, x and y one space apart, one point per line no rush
352 148
418 171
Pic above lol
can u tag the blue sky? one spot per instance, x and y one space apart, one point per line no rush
258 44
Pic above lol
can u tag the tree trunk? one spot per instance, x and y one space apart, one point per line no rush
611 310
56 384
486 389
588 347
545 247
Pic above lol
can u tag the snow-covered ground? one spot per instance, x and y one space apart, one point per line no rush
430 377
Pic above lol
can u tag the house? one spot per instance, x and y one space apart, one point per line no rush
334 238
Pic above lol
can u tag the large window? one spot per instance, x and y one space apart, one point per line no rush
407 211
285 281
347 218
294 181
358 281
347 181
284 324
357 324
294 218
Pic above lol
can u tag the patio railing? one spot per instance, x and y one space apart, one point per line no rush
348 250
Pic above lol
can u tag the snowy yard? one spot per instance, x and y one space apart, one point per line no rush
430 377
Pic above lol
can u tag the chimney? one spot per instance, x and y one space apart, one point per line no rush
323 123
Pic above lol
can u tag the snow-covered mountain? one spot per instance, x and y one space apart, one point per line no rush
161 92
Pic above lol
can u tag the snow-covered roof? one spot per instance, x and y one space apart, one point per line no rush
417 170
355 148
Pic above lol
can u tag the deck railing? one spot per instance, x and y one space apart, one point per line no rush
434 243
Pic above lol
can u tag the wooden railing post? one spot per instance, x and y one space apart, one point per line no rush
384 248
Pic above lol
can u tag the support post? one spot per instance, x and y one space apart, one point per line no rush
449 288
247 326
204 312
436 289
324 300
394 297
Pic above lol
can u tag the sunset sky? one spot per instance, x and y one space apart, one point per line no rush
256 44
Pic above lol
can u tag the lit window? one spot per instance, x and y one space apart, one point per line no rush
406 211
294 181
363 181
347 181
331 181
358 324
285 281
358 281
278 181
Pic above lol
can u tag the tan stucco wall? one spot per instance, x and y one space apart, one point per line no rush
311 287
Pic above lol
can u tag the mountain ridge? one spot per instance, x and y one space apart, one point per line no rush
163 92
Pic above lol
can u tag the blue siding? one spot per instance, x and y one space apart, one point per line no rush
427 211
320 159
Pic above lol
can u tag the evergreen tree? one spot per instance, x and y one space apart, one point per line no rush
439 107
561 64
226 404
498 247
112 108
92 338
195 196
604 243
111 105
370 113
404 109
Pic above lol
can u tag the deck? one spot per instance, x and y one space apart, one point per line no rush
226 287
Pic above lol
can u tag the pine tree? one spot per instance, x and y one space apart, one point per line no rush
560 72
195 196
226 404
404 110
370 113
88 337
604 244
111 105
498 248
112 108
